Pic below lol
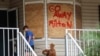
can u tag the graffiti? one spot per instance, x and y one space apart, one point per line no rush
57 12
58 23
59 15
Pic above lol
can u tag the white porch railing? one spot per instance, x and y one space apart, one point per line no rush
24 47
13 43
8 37
74 47
81 42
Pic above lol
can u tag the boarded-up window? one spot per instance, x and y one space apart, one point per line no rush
60 17
34 18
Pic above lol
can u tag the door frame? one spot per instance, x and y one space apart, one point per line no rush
12 9
4 37
3 8
6 9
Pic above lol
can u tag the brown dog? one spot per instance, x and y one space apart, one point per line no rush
50 52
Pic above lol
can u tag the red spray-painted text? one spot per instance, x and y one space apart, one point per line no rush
58 15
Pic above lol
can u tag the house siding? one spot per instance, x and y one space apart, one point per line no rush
4 4
90 16
18 4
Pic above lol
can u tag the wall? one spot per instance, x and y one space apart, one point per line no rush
4 3
90 14
78 17
18 4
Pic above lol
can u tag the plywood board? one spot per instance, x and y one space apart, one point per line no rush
34 18
60 17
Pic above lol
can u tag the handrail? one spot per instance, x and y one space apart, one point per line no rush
27 43
76 43
8 28
68 34
85 29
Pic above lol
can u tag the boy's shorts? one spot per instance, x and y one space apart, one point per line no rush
32 47
28 50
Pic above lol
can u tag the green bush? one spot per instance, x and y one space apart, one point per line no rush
92 43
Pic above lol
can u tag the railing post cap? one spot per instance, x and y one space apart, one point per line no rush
66 31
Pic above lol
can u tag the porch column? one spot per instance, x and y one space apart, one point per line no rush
45 24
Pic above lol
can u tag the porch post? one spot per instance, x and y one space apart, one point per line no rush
45 24
74 13
3 42
18 42
23 12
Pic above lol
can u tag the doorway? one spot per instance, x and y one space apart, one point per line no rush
3 23
9 18
13 18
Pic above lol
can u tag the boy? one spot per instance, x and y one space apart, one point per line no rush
29 36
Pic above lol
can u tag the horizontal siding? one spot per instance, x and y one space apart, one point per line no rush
53 1
39 47
59 47
91 1
4 4
49 0
33 0
18 4
90 14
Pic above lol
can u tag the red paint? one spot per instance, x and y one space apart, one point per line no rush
56 22
58 13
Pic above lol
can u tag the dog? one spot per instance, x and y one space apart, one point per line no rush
51 51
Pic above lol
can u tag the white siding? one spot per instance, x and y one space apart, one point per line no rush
18 4
59 46
90 14
4 4
53 1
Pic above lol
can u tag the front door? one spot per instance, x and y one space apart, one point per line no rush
12 23
8 18
3 23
